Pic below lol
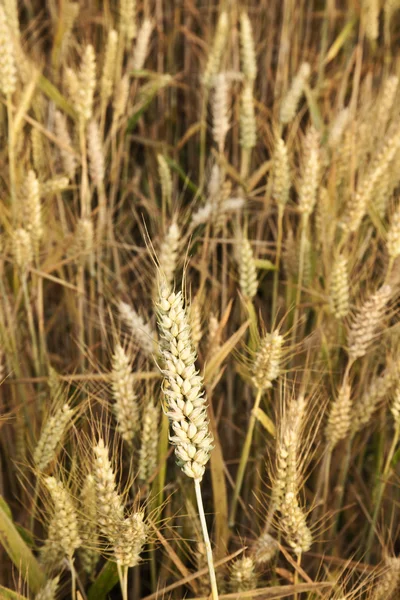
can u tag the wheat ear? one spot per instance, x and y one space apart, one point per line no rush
185 401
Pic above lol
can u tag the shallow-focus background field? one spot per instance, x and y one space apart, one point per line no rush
199 286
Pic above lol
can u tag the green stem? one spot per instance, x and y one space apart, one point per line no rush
207 543
277 261
244 458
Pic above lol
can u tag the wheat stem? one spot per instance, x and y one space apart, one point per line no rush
11 159
207 543
244 458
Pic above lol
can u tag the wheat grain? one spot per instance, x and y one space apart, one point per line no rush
126 407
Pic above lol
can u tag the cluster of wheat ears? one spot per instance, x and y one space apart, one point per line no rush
199 286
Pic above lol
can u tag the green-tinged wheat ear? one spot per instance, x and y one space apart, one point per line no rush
168 255
183 386
281 181
49 591
267 364
149 441
243 576
291 101
248 129
310 173
142 45
220 110
108 74
130 540
363 327
339 288
126 408
127 19
248 54
22 248
51 436
65 516
8 71
389 581
339 420
217 49
374 394
88 553
96 157
265 548
247 270
142 332
110 508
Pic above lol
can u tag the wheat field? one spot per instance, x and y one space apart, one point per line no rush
199 297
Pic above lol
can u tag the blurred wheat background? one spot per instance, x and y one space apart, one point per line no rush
199 286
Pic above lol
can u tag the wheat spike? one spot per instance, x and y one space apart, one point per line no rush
131 537
393 235
8 71
141 331
364 324
107 78
243 575
220 110
32 209
339 421
281 181
68 158
265 549
126 407
389 581
268 361
86 84
248 54
165 179
110 507
49 591
96 157
65 516
310 174
88 554
142 45
247 270
183 386
168 256
149 439
216 52
291 100
248 133
51 436
127 19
